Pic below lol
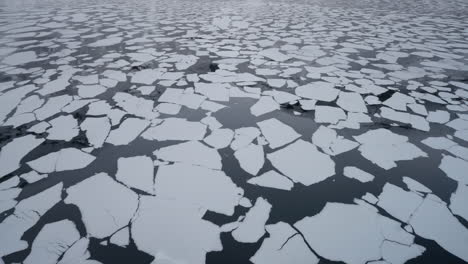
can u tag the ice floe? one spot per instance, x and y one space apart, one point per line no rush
12 153
251 158
52 241
136 172
358 174
103 212
427 221
210 189
272 179
384 148
128 130
62 160
277 133
252 228
303 163
284 245
191 152
190 236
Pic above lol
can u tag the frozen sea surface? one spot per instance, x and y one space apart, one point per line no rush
242 131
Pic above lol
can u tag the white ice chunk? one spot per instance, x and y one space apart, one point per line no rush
396 253
90 91
147 76
78 253
384 148
63 128
25 216
13 152
398 101
455 168
177 234
252 227
358 174
328 140
128 130
62 160
328 114
52 241
251 158
321 91
20 58
211 189
136 172
264 105
415 186
11 99
428 220
352 102
220 138
191 152
284 245
303 163
344 232
398 202
54 86
168 109
272 179
244 136
274 54
458 201
105 205
97 129
106 42
438 116
214 91
277 133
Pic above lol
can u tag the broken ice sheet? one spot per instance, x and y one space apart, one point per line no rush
251 158
63 128
219 138
455 168
398 202
265 105
358 232
303 163
191 152
62 160
128 130
328 114
103 212
97 129
272 179
52 241
284 245
458 201
358 174
136 172
321 91
210 189
190 236
25 216
277 133
384 148
13 152
427 221
329 142
252 228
